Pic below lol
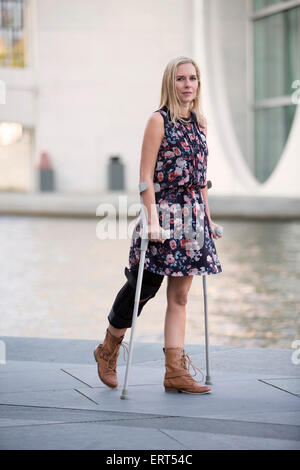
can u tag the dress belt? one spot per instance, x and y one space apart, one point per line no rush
158 188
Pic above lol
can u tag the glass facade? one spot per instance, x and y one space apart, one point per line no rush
271 127
12 53
259 4
276 56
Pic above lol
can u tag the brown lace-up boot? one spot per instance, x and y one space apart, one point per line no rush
106 355
177 376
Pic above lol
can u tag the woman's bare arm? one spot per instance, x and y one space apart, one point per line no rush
153 136
204 193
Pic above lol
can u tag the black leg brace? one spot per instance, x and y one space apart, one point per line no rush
121 312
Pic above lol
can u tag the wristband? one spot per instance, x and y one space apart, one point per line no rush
208 184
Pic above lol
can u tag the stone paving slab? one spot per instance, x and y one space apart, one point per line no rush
31 376
63 405
223 358
101 435
80 351
79 387
232 394
49 398
237 398
8 422
217 426
139 375
246 360
22 415
288 384
204 441
86 436
210 428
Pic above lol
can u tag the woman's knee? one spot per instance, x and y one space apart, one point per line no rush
121 313
178 289
178 298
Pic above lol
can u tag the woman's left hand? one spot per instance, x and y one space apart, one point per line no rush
213 226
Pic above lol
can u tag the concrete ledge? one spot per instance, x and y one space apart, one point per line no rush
84 205
256 207
60 204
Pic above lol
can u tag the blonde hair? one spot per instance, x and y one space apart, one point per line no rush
169 96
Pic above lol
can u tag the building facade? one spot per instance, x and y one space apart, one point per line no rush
80 78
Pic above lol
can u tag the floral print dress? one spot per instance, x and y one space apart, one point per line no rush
179 174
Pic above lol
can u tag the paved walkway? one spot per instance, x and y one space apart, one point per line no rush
51 398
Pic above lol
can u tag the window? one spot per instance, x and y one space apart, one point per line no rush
276 65
258 4
12 33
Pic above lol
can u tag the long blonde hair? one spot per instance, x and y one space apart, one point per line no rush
169 96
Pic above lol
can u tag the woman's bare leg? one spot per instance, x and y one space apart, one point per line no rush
175 319
177 376
118 332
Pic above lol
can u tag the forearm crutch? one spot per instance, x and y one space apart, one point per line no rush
204 282
219 231
144 245
208 378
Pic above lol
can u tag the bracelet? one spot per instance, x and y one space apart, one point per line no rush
208 184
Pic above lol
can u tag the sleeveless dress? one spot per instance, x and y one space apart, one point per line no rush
179 174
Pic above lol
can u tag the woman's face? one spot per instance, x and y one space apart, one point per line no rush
186 83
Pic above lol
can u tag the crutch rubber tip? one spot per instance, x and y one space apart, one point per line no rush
124 395
208 380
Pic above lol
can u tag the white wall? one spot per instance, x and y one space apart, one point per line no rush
98 74
93 79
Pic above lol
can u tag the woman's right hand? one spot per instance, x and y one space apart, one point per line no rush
155 233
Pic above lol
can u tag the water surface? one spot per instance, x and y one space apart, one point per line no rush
58 279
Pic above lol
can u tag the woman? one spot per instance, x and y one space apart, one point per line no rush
173 164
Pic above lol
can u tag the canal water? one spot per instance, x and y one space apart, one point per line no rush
59 280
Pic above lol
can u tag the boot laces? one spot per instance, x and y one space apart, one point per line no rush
112 358
187 363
